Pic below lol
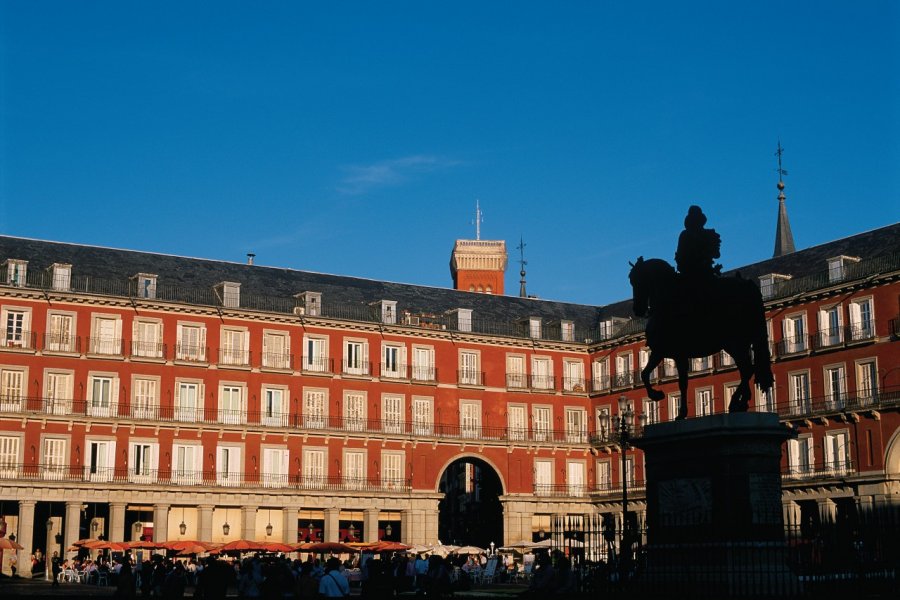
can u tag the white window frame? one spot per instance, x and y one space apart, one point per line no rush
143 460
183 411
61 332
99 459
517 422
315 408
274 405
276 350
543 476
800 392
603 475
795 333
541 373
356 357
393 360
801 456
541 423
16 272
835 380
393 474
13 388
234 345
353 473
187 463
830 325
355 410
651 411
470 419
61 277
836 445
314 469
145 396
103 394
274 472
232 404
229 465
704 401
469 367
576 425
146 338
674 404
11 448
191 342
423 363
600 373
392 413
765 400
422 415
625 368
576 478
58 391
16 327
862 318
54 457
573 375
567 331
534 327
106 335
516 376
867 381
315 354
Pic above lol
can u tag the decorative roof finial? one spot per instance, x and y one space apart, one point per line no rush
784 239
479 219
522 262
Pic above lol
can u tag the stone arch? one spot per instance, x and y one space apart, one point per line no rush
471 509
892 455
482 458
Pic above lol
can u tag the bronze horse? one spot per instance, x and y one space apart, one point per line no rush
692 319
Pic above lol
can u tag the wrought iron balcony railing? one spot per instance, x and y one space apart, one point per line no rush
185 477
394 371
19 340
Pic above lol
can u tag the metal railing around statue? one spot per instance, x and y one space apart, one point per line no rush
856 554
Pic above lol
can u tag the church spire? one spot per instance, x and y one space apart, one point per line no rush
784 239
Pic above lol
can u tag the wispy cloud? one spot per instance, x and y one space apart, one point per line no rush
362 178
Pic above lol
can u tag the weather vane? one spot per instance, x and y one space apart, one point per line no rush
779 152
522 262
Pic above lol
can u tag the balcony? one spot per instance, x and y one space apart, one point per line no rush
574 385
356 368
105 346
799 344
230 357
836 469
277 361
18 340
183 477
836 403
516 381
317 364
151 350
191 353
565 490
470 377
542 382
394 371
63 344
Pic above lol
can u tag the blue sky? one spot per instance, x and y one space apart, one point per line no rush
355 137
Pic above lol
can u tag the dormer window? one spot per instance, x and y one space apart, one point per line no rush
837 267
310 303
464 319
16 270
146 285
389 312
606 329
534 327
61 277
768 283
230 294
567 331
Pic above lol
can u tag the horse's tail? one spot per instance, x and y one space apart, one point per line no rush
762 359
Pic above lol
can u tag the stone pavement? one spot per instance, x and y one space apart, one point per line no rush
39 589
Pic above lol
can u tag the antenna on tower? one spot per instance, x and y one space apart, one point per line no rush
522 262
479 219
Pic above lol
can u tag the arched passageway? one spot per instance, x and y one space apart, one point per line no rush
470 512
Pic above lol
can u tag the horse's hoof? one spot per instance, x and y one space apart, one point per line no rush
656 395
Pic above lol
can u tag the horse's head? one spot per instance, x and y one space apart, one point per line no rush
650 279
640 289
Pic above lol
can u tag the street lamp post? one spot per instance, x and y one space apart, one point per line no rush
623 424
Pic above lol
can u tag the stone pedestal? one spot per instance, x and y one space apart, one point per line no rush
714 512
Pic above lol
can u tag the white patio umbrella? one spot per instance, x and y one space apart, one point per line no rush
469 550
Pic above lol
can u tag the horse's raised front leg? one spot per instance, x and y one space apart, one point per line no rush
652 362
682 365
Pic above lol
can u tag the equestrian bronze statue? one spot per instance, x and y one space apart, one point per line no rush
696 312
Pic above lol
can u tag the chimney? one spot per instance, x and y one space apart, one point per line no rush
250 257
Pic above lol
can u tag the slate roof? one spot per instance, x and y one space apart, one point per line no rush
116 265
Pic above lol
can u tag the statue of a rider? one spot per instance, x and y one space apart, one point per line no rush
698 247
